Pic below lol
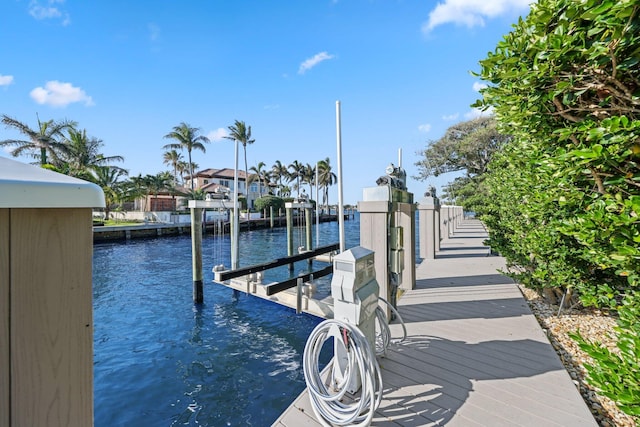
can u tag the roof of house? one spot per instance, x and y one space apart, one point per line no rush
214 188
226 173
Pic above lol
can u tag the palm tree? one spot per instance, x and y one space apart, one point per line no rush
158 182
309 176
242 133
172 158
83 155
188 139
137 188
183 169
45 140
279 171
326 178
296 173
260 174
285 191
108 178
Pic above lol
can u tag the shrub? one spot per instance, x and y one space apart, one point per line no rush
617 376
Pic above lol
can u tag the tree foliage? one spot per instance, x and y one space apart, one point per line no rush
187 138
564 195
565 83
269 201
466 146
44 143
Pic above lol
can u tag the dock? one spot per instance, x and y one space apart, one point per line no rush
474 354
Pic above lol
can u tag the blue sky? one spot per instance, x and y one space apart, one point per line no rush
128 71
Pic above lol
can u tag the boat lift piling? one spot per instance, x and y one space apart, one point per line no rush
197 207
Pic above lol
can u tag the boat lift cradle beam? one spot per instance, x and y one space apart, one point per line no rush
222 276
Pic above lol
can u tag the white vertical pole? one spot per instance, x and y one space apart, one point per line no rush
340 202
317 205
236 216
399 157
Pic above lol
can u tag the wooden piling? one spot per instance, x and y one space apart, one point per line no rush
196 254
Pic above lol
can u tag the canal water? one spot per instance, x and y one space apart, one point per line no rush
159 360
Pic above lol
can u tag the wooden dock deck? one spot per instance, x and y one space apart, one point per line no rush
474 355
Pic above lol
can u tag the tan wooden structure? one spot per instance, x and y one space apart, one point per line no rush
46 326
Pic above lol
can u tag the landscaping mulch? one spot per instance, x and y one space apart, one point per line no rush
594 325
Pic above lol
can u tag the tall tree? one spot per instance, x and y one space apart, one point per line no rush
43 141
188 138
326 178
296 169
309 177
172 158
279 172
260 175
242 133
183 169
465 146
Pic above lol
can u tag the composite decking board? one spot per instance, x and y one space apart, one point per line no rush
474 356
506 390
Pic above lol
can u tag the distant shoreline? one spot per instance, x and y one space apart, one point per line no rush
110 233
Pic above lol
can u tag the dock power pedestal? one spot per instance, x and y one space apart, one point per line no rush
354 368
355 297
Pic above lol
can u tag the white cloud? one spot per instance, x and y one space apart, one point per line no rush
217 134
474 113
477 86
424 128
5 80
60 94
451 117
472 13
313 61
48 10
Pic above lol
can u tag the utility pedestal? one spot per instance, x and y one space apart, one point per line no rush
387 227
427 216
355 297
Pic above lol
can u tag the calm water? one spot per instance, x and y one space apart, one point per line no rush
159 360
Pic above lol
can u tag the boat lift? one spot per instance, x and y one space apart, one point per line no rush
249 280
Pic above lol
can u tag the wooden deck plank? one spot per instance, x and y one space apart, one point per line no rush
474 356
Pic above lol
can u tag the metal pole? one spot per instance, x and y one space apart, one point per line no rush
299 284
317 210
340 202
289 234
307 219
235 225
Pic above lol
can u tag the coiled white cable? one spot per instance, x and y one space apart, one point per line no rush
326 404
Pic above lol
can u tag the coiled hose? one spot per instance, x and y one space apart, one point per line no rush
326 400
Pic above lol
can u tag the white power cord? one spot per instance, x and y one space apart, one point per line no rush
326 401
383 334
